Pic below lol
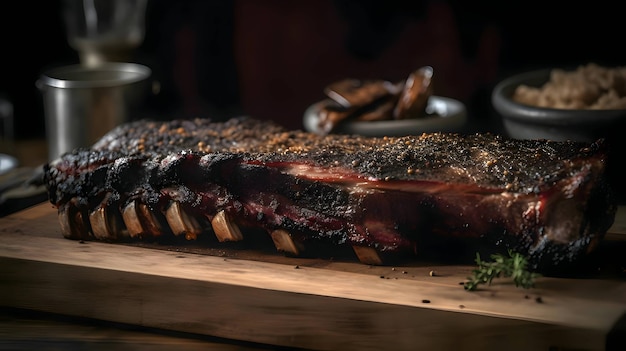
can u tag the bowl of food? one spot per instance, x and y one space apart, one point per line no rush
583 103
381 108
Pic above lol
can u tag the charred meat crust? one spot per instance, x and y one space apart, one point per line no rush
484 160
546 199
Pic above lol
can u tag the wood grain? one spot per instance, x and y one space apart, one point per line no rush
308 303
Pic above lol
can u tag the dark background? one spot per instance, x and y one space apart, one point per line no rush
270 59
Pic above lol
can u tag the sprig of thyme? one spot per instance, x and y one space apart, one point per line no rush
514 266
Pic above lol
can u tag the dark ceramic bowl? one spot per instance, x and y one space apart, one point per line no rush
529 122
447 115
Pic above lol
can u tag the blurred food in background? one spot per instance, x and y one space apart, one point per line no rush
377 100
589 86
560 103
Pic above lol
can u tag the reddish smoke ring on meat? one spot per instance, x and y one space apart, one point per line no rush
416 195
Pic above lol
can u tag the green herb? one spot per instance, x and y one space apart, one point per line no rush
514 266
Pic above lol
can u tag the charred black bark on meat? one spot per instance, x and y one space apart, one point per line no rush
433 193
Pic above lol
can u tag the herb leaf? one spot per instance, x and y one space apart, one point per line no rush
514 266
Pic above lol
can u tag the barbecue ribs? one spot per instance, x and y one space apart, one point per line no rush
383 197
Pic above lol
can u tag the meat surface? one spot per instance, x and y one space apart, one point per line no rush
432 194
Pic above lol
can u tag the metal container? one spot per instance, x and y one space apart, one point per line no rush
81 103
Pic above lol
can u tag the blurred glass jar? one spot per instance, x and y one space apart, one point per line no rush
104 30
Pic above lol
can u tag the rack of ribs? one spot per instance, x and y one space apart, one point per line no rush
381 198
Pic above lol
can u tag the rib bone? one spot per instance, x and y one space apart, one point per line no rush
140 220
285 243
106 223
72 225
100 225
181 222
225 229
367 255
66 221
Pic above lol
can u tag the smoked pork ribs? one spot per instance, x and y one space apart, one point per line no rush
380 197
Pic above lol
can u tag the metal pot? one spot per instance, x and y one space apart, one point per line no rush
81 103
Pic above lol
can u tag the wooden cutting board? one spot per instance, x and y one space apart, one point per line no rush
323 304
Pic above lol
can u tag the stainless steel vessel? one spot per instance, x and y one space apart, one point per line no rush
83 103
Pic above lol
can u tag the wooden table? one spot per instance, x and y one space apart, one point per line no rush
267 298
30 330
